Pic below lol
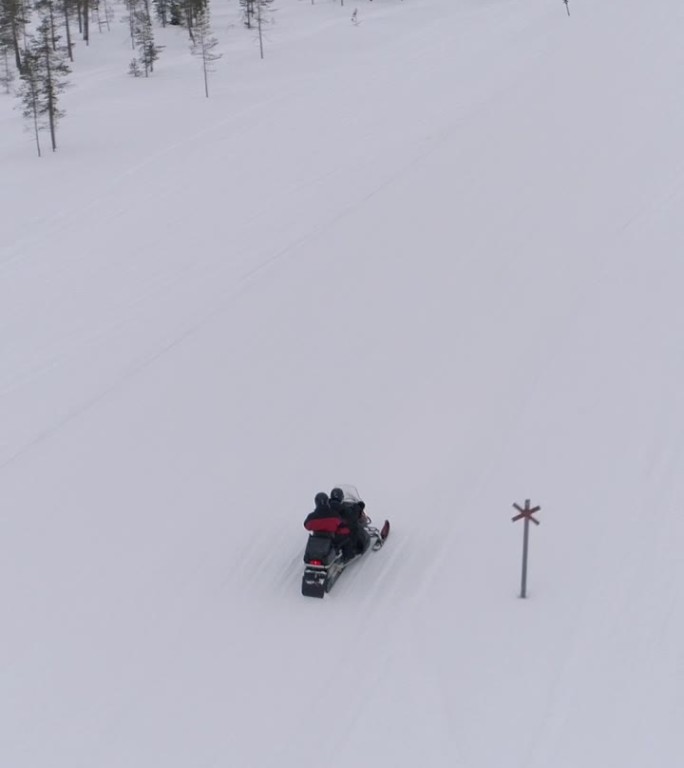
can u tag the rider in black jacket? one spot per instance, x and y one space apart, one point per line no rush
352 512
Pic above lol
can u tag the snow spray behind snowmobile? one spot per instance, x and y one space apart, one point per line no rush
324 559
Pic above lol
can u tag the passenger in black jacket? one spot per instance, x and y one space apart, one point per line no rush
352 512
326 521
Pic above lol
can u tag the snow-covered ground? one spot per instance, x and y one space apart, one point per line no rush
437 255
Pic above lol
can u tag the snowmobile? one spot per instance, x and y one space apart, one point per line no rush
324 562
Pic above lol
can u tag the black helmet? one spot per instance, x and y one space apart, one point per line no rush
337 494
321 499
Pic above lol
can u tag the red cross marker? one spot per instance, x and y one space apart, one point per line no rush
525 513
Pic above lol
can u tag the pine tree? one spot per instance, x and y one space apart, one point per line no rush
142 38
29 93
203 46
192 11
134 68
130 7
46 9
43 80
248 12
14 16
175 13
6 46
84 6
66 9
262 8
162 9
6 73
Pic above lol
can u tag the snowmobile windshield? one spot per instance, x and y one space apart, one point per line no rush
350 493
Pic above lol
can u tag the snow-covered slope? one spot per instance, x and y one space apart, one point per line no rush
437 255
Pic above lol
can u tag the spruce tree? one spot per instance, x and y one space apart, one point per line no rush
6 73
14 16
66 9
262 8
248 12
142 38
46 10
6 50
84 7
29 93
43 80
162 9
175 13
192 9
203 46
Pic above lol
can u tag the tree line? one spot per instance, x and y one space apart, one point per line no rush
37 45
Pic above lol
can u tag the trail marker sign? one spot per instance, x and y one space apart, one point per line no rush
525 513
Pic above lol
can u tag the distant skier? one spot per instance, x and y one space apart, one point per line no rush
352 513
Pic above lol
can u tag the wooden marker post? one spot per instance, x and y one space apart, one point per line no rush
526 515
